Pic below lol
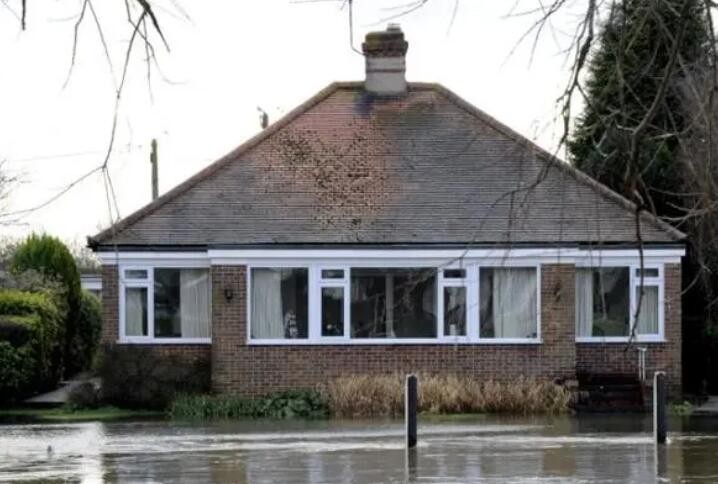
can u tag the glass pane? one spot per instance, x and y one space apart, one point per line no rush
454 273
611 303
167 303
648 314
650 272
136 274
279 303
393 303
332 311
136 311
182 303
454 311
332 274
508 302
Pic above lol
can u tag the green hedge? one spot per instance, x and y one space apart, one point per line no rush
88 326
280 405
31 339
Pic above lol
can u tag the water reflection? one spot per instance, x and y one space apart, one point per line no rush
591 449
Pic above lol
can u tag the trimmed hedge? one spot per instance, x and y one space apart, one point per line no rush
50 257
88 326
30 335
142 377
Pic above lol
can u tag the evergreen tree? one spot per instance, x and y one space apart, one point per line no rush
624 75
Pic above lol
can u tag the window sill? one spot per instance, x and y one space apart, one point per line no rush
165 341
395 342
621 339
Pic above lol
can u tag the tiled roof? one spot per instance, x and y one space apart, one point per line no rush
426 168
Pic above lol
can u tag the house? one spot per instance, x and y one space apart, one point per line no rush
385 226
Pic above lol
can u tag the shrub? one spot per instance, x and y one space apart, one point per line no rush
50 257
88 327
30 331
83 396
16 370
369 396
142 377
281 405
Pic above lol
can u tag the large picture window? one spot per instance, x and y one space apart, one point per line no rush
166 304
280 302
393 303
607 298
508 302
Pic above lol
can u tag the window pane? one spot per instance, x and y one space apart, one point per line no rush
136 274
136 311
454 273
648 314
393 303
650 272
279 303
602 301
508 298
182 303
332 311
332 274
454 311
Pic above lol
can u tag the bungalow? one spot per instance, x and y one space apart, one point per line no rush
385 226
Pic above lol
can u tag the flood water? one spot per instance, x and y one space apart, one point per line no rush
478 449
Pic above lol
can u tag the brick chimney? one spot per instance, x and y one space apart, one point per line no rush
385 54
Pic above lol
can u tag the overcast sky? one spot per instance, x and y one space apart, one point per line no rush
228 58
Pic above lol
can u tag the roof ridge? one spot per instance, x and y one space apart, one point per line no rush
213 167
557 162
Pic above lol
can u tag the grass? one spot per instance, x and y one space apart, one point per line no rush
66 414
372 396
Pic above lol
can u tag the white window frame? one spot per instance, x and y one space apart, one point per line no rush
149 283
471 282
506 265
633 284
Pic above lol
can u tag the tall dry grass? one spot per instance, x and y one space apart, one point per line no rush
383 395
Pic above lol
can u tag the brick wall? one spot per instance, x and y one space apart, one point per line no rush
257 370
613 358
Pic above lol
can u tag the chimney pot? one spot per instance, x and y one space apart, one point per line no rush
385 54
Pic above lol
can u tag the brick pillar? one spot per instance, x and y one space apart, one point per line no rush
670 360
558 314
229 322
110 305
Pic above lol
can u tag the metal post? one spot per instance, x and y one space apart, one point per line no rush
410 404
660 416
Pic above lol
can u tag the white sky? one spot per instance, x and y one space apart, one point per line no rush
229 58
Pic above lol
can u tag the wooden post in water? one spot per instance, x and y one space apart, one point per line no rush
410 404
660 416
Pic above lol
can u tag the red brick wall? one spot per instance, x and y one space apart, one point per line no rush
613 358
257 370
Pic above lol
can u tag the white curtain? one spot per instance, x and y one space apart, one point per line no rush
514 301
584 302
195 303
648 315
135 307
267 320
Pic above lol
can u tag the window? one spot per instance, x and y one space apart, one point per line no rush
166 304
508 303
607 298
452 298
393 303
280 303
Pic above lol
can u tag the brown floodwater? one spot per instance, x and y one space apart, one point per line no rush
605 449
